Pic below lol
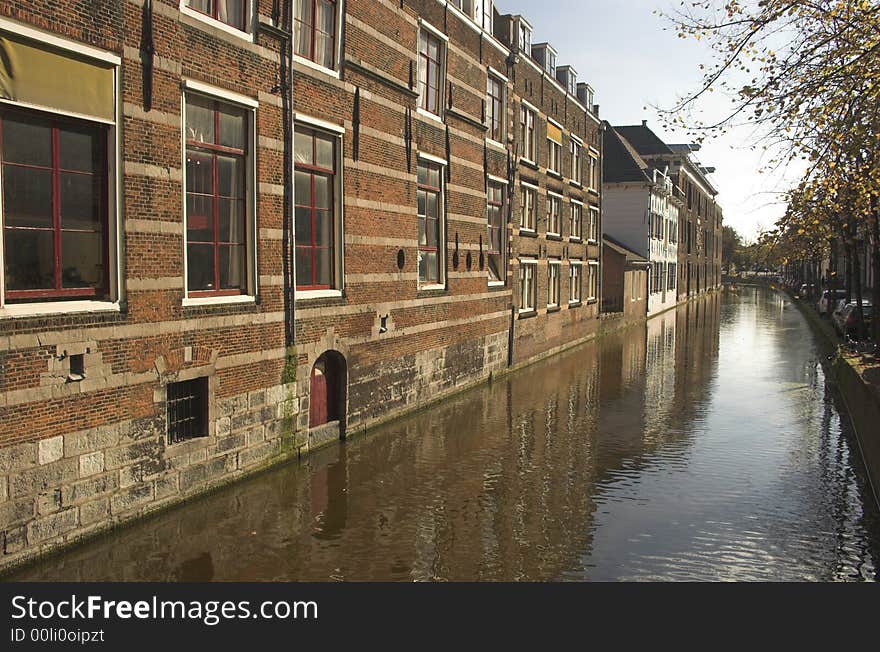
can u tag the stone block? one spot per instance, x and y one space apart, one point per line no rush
84 490
17 458
123 455
167 486
256 399
41 478
15 540
95 511
91 463
16 512
258 454
50 450
224 426
90 441
127 500
49 502
52 526
231 443
256 436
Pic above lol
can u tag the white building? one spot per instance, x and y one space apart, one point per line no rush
641 205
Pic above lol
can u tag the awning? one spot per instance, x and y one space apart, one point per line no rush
38 76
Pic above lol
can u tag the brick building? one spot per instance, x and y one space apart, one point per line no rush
234 230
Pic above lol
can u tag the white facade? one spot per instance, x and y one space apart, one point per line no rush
644 217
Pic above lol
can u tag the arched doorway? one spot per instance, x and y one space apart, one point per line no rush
327 391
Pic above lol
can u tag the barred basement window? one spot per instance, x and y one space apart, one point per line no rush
187 410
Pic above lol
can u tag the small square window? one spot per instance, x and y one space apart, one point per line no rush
187 403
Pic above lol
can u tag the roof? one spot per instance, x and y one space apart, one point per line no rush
643 140
622 249
621 162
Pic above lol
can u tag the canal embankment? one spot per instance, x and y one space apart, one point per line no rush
858 379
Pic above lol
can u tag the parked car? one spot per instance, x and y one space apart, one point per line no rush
829 300
844 312
805 291
851 320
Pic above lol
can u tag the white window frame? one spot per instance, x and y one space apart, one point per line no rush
579 236
116 288
554 282
442 53
533 191
338 186
553 198
532 143
532 264
593 235
593 273
246 34
575 264
194 87
502 80
594 172
441 237
576 150
337 40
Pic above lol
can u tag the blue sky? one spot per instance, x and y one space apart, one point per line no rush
621 49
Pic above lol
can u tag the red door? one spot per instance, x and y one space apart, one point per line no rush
317 398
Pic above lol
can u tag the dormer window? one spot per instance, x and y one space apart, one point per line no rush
525 37
545 55
550 64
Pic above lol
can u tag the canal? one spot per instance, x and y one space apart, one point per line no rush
708 445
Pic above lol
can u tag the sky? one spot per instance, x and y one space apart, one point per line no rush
621 49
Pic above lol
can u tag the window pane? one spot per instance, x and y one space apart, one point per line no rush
303 146
323 228
80 201
428 266
230 176
82 260
324 49
324 152
231 220
323 267
232 267
30 260
199 119
232 127
421 199
303 38
79 149
26 142
422 238
303 188
322 192
422 175
199 218
431 232
431 206
495 267
205 6
303 225
232 12
304 266
199 173
27 197
200 267
326 19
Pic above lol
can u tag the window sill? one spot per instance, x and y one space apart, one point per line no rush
574 304
432 288
308 63
593 190
592 241
592 301
496 284
529 164
574 183
575 239
494 144
554 174
528 233
216 24
305 295
433 117
218 301
22 310
554 236
527 314
553 308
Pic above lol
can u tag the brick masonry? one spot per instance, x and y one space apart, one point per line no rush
78 456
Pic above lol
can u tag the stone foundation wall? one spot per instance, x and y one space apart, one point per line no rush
56 490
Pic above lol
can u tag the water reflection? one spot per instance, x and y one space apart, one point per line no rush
704 446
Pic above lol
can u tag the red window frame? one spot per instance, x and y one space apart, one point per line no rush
214 6
432 69
314 170
312 29
56 124
495 91
214 150
424 219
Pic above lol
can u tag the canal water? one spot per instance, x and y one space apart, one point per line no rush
708 445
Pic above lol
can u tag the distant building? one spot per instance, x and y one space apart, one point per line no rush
642 208
624 281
